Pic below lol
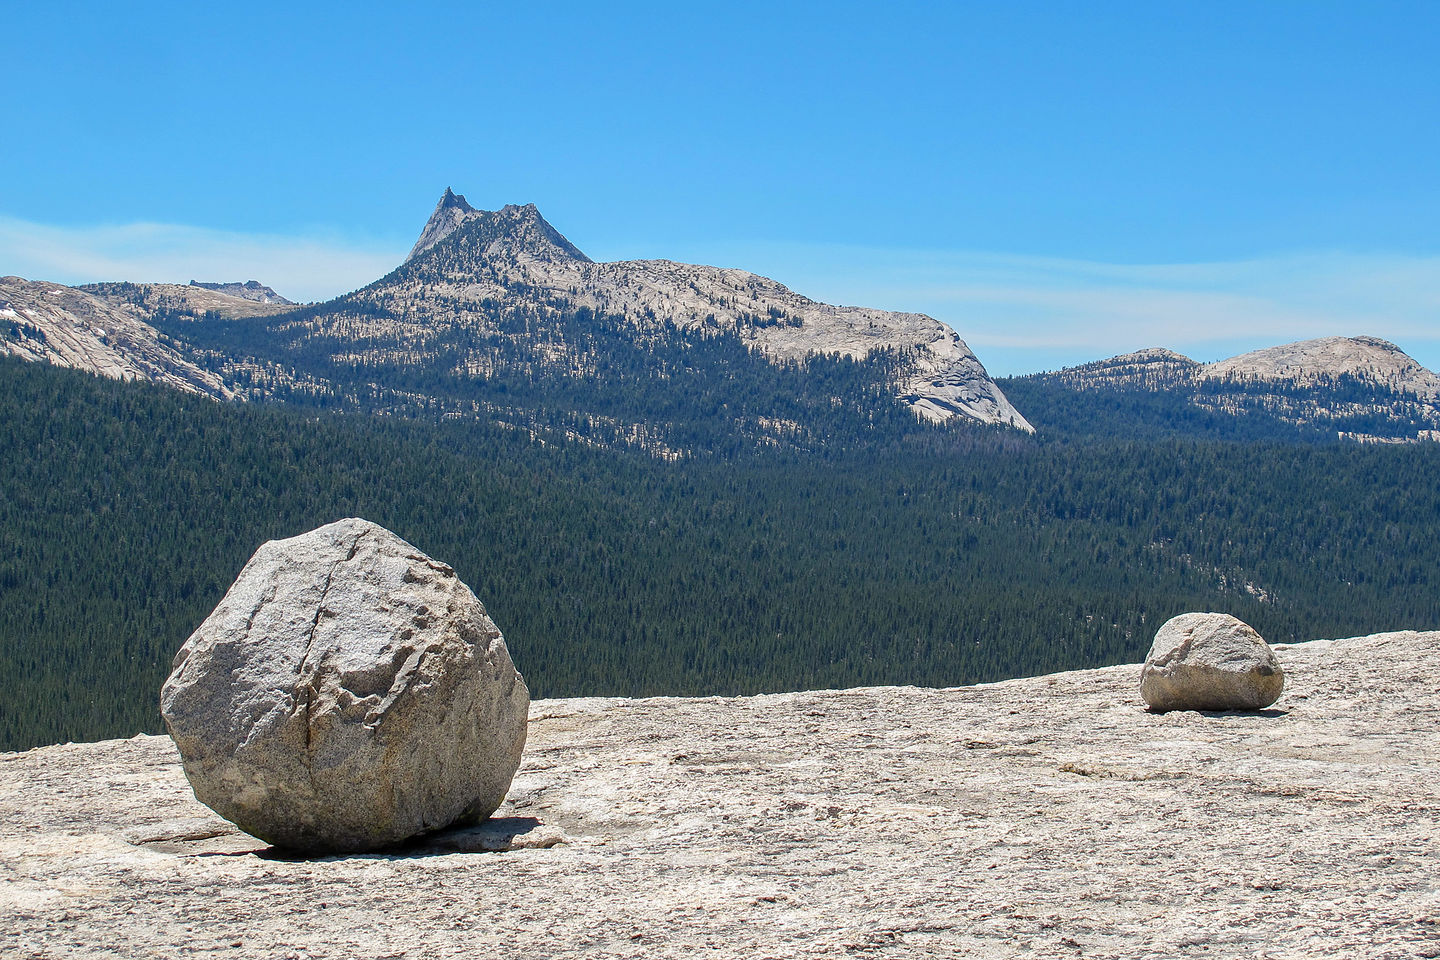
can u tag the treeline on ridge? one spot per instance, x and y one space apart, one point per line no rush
564 371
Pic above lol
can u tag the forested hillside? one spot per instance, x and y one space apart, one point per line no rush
1326 411
563 373
944 557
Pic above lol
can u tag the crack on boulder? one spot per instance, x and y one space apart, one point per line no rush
313 678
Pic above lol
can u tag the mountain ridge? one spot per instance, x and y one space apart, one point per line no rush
489 303
1308 361
1301 362
104 335
1360 388
247 290
474 255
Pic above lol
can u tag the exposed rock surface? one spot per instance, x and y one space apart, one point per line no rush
469 260
192 298
347 693
1304 363
249 290
1209 661
1362 388
69 327
1311 361
522 231
1049 817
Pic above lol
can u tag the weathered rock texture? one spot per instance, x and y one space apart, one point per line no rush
348 693
1048 817
1311 361
1209 661
85 330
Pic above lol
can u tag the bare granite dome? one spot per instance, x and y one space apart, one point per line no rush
1362 388
86 330
1049 817
1366 358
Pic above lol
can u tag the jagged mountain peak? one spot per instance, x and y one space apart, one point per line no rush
513 255
513 230
450 212
453 199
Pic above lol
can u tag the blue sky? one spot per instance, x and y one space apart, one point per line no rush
1058 181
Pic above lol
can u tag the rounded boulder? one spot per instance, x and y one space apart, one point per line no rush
347 694
1209 661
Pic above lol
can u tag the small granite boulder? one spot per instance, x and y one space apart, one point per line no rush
347 694
1209 661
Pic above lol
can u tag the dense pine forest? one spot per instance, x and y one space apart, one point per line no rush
949 557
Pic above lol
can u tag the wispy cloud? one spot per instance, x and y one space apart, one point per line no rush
1022 314
1019 313
299 267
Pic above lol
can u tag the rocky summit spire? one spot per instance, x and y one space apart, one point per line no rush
490 263
510 230
532 233
450 212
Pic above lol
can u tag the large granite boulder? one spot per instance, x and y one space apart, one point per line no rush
1209 661
348 693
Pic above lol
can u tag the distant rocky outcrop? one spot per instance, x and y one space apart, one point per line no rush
195 300
1209 661
249 290
89 330
348 693
471 262
1303 363
1311 362
1358 388
1152 368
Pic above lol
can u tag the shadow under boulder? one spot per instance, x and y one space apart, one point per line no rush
1209 661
